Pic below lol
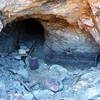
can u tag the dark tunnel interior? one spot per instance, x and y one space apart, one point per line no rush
25 31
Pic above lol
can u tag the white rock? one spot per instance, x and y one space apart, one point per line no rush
71 98
27 50
57 69
28 96
53 85
1 25
22 51
15 97
79 85
92 92
2 89
43 94
23 72
18 57
16 84
24 47
22 63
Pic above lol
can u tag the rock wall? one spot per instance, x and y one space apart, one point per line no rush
70 24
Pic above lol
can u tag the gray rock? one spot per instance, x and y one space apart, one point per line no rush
58 71
43 94
18 57
53 85
15 97
2 89
24 47
28 96
22 51
23 72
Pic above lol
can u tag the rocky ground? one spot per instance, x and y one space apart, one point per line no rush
63 25
27 78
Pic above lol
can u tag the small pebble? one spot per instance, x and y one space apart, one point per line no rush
15 97
18 57
28 96
2 89
22 51
24 48
43 94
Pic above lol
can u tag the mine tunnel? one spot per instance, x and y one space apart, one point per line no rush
29 37
28 31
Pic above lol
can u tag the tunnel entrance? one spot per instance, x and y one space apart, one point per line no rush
28 32
27 38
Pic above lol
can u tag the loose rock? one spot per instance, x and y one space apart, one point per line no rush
28 96
43 94
59 71
22 51
15 97
53 85
2 89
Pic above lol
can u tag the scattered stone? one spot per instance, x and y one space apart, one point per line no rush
53 85
48 82
59 71
28 96
92 92
22 51
79 85
36 87
23 72
43 94
15 97
70 99
2 89
1 25
20 71
24 48
18 57
16 84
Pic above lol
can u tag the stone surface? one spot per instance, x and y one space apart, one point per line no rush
53 85
69 24
28 96
22 51
39 94
48 82
58 72
2 89
1 26
15 97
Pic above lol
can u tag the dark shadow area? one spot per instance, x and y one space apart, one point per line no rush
28 31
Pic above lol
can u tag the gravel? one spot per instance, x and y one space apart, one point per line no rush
19 81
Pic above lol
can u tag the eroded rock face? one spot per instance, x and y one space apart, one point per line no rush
69 24
69 40
90 21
